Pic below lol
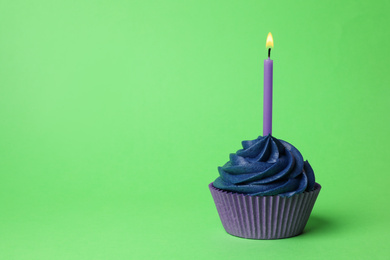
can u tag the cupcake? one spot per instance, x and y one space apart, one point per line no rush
265 191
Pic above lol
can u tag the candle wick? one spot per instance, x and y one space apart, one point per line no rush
269 52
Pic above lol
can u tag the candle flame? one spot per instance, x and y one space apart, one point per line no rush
270 41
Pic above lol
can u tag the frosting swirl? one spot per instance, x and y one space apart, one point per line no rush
266 166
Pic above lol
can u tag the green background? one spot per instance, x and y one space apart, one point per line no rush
114 116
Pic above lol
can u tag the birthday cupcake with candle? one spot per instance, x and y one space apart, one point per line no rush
266 190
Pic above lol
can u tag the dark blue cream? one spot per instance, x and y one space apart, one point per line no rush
266 166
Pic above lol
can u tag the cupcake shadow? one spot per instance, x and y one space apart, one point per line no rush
319 224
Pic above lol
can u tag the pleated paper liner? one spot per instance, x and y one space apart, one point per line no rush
264 217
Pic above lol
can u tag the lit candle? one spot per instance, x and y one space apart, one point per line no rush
267 101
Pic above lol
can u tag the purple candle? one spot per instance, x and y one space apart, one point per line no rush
267 104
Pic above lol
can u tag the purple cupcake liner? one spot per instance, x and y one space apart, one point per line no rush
264 217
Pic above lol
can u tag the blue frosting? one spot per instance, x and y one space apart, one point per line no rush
266 166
